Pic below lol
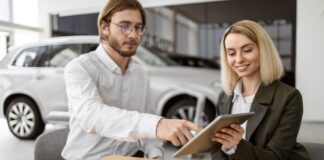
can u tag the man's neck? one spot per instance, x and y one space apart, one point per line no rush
121 61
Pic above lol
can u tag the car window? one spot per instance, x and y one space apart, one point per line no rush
28 57
89 47
60 55
154 59
51 55
63 54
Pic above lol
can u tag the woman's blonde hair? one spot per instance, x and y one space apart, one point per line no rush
270 64
114 6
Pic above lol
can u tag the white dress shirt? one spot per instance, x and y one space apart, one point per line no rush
107 108
240 105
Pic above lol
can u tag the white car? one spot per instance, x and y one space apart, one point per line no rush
32 89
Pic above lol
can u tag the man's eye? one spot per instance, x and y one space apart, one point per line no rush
125 26
139 28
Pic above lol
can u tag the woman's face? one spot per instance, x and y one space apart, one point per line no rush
243 55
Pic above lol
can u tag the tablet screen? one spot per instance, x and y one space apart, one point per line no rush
202 141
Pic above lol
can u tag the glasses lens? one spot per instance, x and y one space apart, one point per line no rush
125 28
128 28
139 28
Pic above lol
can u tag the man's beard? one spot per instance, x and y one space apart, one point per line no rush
117 47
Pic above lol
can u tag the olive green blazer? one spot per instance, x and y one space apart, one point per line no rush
272 132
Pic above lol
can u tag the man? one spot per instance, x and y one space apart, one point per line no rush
108 94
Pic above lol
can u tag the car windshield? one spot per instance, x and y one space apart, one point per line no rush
154 59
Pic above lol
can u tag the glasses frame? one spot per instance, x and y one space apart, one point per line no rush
130 28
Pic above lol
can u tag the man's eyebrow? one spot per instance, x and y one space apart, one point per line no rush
129 22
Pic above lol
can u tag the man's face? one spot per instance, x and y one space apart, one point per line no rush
124 32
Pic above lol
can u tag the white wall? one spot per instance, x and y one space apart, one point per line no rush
310 57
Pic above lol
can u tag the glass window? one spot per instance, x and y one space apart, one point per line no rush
86 48
29 57
26 12
4 10
155 59
51 56
62 54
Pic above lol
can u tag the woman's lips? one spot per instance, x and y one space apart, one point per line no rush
242 67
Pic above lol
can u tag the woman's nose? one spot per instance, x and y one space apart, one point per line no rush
239 57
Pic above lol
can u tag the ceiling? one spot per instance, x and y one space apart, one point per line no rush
233 10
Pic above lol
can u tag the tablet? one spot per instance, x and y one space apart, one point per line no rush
202 141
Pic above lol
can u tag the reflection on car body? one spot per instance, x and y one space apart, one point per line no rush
32 89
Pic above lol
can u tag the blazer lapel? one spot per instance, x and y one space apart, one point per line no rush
226 106
255 120
262 99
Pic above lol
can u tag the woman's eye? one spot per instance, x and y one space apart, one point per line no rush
231 53
247 50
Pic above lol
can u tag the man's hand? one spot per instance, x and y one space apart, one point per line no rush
176 131
229 137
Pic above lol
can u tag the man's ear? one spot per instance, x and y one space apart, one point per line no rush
104 28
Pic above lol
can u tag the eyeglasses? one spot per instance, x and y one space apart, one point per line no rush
127 28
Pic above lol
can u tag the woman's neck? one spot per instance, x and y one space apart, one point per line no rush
250 86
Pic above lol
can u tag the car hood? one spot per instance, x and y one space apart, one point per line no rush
178 75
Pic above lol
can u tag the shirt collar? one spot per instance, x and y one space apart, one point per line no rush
237 90
110 63
238 93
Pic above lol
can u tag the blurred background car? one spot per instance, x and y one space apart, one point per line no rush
194 61
32 89
187 60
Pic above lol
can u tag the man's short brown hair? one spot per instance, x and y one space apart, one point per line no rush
114 6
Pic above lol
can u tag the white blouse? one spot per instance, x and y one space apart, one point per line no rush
240 105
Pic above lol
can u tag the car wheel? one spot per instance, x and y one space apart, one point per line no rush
186 109
24 119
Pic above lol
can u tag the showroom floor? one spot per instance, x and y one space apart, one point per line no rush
12 148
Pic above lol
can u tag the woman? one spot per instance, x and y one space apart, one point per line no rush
251 69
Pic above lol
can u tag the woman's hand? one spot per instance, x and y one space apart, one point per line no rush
229 137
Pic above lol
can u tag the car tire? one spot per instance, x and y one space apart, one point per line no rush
186 109
24 119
